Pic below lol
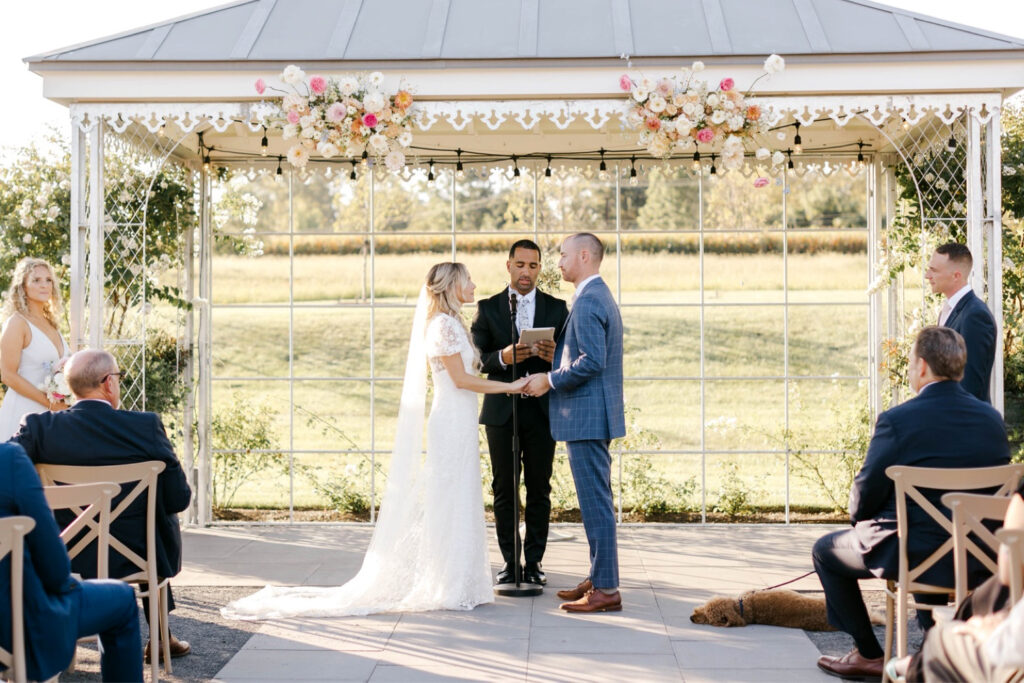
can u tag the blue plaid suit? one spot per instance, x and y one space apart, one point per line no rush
586 412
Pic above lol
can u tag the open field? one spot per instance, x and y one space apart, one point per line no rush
751 344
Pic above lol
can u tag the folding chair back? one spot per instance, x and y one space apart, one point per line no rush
12 542
1013 541
909 484
144 477
970 511
91 505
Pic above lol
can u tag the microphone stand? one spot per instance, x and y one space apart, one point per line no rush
520 588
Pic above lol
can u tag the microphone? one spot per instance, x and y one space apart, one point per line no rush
513 302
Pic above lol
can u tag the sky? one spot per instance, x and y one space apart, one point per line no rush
39 26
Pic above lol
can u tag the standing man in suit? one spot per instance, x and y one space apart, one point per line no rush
943 426
95 432
948 273
58 608
586 411
494 335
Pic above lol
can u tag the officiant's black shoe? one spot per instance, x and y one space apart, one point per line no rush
506 575
534 574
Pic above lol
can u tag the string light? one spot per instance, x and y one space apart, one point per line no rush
206 161
798 143
860 154
430 173
603 168
280 174
789 164
632 171
160 131
696 161
714 169
951 145
906 123
352 175
547 171
264 143
459 173
515 168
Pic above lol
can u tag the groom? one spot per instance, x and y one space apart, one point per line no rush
497 341
585 409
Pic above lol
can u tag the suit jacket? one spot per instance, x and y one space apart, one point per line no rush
944 426
972 319
50 607
93 433
586 399
492 331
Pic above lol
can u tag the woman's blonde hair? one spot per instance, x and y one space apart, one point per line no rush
444 282
16 300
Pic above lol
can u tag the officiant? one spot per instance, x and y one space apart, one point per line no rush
497 341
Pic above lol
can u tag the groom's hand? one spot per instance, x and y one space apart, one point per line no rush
538 385
521 351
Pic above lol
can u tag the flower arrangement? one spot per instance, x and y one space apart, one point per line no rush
677 115
342 117
55 386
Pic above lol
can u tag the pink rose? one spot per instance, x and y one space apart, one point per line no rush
317 84
726 85
336 112
369 120
705 135
760 182
293 116
260 85
624 83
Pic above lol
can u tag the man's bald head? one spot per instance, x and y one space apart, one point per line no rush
86 372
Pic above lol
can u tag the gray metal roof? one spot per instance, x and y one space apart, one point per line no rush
371 30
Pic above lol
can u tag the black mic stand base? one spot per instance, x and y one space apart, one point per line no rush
520 590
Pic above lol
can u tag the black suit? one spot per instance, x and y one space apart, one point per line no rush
944 426
93 433
972 319
492 331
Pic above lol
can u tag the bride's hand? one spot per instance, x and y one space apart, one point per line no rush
517 386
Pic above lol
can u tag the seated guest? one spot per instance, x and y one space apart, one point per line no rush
943 426
95 432
983 643
59 609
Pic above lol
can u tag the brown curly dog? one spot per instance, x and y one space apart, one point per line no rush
771 607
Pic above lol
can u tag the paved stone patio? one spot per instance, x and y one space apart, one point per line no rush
666 571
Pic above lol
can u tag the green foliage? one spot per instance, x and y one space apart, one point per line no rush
735 493
165 366
245 428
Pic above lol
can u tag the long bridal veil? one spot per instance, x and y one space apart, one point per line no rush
391 560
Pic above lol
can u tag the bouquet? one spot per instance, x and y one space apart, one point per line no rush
347 117
677 115
55 386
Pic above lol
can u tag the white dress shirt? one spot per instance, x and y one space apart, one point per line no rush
951 302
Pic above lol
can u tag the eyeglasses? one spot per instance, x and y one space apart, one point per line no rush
120 375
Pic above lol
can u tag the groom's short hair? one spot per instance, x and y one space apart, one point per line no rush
524 244
591 243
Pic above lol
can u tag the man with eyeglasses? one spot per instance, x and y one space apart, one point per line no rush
95 432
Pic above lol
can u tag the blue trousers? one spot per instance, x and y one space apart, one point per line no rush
108 608
591 465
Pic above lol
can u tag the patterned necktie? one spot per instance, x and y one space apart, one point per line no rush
522 315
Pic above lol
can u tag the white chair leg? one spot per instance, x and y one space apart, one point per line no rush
154 630
165 630
890 614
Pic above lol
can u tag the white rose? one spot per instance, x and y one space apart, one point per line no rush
657 104
298 156
736 122
309 132
290 131
327 150
378 143
732 153
668 126
394 161
405 139
306 121
762 153
728 105
640 95
689 108
778 157
659 146
718 117
376 79
374 102
293 75
53 212
712 100
697 66
683 125
774 64
678 99
348 85
27 238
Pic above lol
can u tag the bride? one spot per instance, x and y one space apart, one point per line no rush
429 547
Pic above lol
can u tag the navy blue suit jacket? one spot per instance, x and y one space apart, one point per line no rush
972 319
586 400
93 433
51 613
944 426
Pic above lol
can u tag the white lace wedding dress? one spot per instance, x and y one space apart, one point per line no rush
429 548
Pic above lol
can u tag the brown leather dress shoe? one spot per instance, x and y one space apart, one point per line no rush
577 592
852 666
179 648
595 601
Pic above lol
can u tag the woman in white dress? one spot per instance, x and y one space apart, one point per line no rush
429 547
31 347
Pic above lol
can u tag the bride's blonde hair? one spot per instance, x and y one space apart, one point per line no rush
16 300
444 282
